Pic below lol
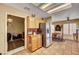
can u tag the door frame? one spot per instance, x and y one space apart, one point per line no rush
25 36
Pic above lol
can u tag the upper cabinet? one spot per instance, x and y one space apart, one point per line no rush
33 22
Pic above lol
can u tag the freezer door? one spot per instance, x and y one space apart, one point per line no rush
48 30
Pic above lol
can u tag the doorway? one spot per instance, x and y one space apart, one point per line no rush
15 32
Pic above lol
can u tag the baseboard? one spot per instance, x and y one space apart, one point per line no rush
15 50
71 40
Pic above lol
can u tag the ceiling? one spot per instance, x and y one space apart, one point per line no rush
37 4
52 7
40 9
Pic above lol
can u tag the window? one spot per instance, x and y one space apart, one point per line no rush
69 28
72 28
65 28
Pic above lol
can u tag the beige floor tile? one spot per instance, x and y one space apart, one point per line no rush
57 48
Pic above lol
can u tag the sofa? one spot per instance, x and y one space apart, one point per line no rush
17 41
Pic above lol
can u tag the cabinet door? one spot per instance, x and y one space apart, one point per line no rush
34 43
36 23
39 42
31 22
29 43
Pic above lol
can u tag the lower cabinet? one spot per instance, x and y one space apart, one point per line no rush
34 42
39 42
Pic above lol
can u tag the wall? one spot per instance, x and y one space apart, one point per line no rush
72 13
16 26
3 25
2 32
13 11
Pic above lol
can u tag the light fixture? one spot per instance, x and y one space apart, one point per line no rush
45 5
60 8
33 15
26 8
67 18
10 20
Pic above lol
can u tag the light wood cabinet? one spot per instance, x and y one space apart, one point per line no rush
33 22
34 42
39 42
36 23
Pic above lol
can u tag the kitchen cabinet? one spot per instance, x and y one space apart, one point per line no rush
33 22
34 42
36 23
39 42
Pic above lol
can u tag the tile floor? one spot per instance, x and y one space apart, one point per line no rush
57 48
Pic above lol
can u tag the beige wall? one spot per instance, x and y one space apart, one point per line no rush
12 11
16 26
3 25
2 32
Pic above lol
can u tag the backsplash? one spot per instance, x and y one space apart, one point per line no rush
31 31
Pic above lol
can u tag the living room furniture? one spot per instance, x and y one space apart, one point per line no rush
57 37
17 41
15 44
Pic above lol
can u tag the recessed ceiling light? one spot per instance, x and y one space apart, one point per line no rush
45 5
60 8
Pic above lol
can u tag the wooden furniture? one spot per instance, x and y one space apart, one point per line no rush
58 33
39 42
57 36
15 44
33 22
34 42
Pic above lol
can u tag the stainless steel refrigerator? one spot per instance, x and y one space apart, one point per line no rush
46 34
